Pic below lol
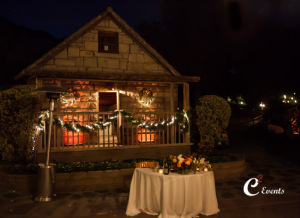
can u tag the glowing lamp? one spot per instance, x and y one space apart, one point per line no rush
262 105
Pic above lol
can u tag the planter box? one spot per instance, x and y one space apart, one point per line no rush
229 170
109 180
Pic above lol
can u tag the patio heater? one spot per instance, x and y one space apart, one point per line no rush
46 173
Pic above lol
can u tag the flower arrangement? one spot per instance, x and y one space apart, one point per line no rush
202 164
146 96
184 164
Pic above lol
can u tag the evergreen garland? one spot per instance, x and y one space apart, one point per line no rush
181 118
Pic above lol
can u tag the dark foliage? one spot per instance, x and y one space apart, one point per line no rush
69 167
213 114
19 108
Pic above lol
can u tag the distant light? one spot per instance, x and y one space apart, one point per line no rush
294 93
295 101
292 98
262 105
284 96
242 102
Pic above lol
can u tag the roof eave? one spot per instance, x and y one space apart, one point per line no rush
116 77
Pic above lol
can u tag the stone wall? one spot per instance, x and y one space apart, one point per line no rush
83 56
88 100
129 99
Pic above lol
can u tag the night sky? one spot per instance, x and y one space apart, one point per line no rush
61 18
251 47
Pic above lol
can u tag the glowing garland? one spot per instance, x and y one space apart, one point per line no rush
181 118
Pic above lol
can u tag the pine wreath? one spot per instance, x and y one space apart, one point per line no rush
146 96
74 95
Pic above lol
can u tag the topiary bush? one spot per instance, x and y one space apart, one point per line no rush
19 108
213 114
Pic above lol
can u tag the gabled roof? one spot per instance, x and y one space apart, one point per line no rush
31 69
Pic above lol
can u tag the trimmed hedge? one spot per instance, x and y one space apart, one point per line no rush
69 167
213 114
19 108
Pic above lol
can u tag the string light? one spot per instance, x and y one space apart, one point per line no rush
182 118
289 99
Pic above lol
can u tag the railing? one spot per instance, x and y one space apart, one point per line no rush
121 133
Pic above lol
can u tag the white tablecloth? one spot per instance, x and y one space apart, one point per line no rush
172 195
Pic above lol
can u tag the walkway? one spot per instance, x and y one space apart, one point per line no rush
277 170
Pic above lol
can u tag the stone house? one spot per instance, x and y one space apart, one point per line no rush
108 67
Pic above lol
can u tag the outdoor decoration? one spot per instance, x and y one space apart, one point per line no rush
74 95
146 96
184 164
181 118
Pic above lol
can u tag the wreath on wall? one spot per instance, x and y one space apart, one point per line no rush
146 96
70 98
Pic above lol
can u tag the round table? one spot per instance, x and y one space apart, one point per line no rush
172 195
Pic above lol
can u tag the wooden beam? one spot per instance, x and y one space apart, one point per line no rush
172 97
186 106
115 78
172 111
186 96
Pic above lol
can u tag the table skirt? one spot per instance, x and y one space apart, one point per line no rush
172 195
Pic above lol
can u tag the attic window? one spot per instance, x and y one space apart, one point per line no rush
108 42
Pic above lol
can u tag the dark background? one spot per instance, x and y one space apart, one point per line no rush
237 47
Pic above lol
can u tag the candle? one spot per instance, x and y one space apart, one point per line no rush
205 169
161 171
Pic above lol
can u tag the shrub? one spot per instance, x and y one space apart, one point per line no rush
19 108
213 114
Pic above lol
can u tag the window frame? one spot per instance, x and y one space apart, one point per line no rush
103 34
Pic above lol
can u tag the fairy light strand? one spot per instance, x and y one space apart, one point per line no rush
181 118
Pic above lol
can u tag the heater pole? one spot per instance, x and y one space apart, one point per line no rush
51 109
